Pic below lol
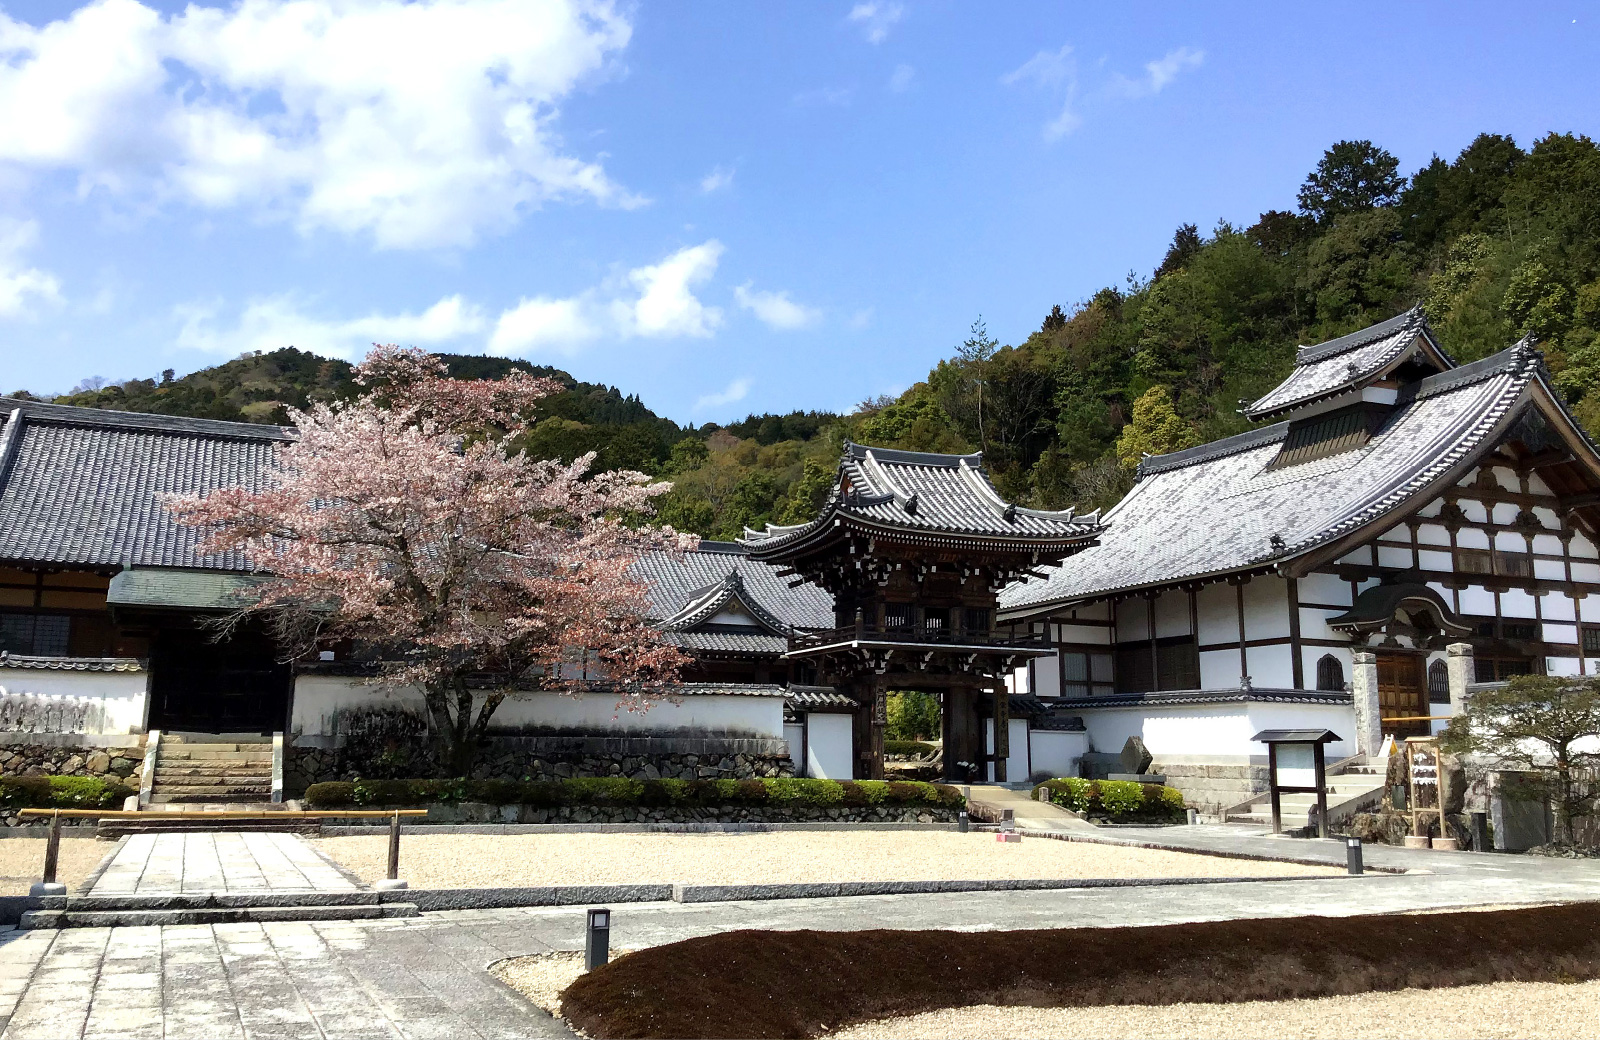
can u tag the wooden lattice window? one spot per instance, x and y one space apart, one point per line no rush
1330 673
1439 683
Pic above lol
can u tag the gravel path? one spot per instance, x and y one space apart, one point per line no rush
1505 1009
22 862
483 860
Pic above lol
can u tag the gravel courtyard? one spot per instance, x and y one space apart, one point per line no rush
22 862
1503 1009
485 860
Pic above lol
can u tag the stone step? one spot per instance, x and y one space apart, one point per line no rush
212 793
117 827
184 754
223 779
35 919
224 900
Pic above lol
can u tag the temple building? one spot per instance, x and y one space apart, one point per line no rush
1406 527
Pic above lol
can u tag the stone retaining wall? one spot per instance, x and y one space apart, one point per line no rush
480 812
53 760
305 766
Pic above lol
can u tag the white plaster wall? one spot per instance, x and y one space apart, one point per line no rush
1556 607
1325 588
1433 534
1392 556
1581 546
317 700
1047 676
117 699
1272 666
1219 670
1516 603
1215 729
1314 623
1172 615
1472 537
1056 751
830 746
1017 759
1475 599
1219 613
1266 609
794 733
1435 560
1559 633
1097 635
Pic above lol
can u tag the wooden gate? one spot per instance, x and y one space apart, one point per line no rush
1403 694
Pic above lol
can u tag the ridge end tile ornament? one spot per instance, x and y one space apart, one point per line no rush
915 548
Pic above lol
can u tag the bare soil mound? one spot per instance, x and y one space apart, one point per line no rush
803 983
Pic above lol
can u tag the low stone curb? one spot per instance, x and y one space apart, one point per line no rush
1196 850
829 890
550 895
408 827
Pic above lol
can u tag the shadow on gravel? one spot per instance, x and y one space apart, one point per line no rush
800 984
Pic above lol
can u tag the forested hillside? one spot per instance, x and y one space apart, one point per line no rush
1498 243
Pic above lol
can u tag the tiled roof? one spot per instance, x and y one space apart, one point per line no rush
810 698
707 689
919 492
1340 364
679 581
725 641
83 486
72 664
1230 696
1218 509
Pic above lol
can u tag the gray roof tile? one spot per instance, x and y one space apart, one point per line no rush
678 581
1214 509
84 486
1337 365
922 492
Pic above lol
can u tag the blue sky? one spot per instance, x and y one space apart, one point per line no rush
723 207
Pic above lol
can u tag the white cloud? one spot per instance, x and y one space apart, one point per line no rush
775 308
279 321
1057 72
876 18
564 325
1045 69
860 319
1159 73
734 392
666 306
420 124
716 180
21 285
900 82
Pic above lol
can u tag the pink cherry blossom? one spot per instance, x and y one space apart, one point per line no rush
405 524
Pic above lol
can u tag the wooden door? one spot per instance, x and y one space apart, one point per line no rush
1402 693
233 686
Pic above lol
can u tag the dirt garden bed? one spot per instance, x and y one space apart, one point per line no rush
805 983
22 862
512 860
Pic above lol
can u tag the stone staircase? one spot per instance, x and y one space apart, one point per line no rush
231 770
1353 786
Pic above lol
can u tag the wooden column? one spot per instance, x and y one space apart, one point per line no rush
880 722
1002 732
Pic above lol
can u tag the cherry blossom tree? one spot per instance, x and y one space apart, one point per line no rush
405 523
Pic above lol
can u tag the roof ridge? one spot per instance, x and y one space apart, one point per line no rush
1212 450
44 411
1412 319
852 450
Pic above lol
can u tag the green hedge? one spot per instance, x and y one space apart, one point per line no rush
908 747
62 792
620 791
1118 799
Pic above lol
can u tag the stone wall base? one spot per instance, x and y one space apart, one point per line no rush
54 760
479 812
308 765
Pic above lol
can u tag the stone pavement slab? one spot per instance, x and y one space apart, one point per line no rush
219 861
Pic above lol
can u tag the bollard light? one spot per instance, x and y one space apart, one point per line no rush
963 824
597 939
1352 856
1008 820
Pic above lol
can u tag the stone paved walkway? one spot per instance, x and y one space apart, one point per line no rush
345 980
219 861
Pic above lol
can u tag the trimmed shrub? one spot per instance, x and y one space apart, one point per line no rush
908 747
786 792
1116 799
62 792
